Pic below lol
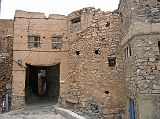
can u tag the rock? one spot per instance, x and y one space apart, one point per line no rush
71 100
152 59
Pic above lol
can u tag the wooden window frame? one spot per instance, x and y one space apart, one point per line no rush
34 41
57 42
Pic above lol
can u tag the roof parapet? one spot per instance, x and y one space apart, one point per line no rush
24 14
56 16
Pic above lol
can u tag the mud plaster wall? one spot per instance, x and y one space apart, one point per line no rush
37 24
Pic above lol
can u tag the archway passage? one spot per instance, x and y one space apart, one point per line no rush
42 84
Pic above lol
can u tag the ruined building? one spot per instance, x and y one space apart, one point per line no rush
6 39
98 64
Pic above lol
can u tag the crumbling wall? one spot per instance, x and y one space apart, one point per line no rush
84 15
142 11
125 14
6 34
6 74
6 29
96 89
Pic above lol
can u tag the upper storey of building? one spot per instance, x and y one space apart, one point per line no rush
40 32
138 11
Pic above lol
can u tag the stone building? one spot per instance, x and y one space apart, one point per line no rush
96 82
141 50
40 45
98 64
6 38
71 51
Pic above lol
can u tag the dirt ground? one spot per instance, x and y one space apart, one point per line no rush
33 112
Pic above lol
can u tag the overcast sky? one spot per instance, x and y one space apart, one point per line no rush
65 7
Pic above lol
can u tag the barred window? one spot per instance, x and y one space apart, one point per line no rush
75 24
128 51
33 41
57 42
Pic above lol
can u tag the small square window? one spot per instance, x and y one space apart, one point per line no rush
57 42
33 41
77 52
75 24
76 20
19 62
112 61
97 51
107 24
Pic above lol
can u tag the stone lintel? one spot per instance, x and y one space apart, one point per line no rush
140 29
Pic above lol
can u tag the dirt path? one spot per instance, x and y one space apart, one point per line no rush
35 112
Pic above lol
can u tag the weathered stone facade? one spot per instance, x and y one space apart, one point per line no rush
6 39
95 87
88 31
140 44
99 64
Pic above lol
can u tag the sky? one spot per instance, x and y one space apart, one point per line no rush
64 7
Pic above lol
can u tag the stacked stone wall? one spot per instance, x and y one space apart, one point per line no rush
6 74
141 56
6 39
142 74
96 89
6 29
133 11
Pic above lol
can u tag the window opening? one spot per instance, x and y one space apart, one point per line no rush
121 17
97 51
130 51
76 20
107 24
127 52
57 42
77 52
112 61
106 92
33 41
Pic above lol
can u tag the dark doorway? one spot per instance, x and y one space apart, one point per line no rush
42 84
